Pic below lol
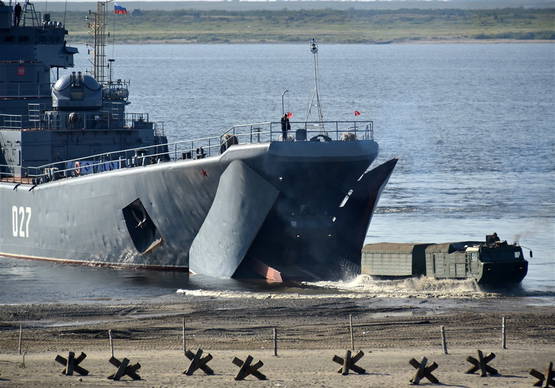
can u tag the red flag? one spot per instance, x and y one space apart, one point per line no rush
289 115
357 113
20 70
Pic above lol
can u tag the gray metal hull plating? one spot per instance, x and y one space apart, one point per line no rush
80 219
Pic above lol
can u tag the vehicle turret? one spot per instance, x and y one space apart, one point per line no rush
76 91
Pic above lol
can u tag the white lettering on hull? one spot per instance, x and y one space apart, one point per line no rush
21 218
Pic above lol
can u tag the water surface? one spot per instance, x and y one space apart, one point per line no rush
472 125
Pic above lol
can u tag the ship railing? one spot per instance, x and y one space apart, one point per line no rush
80 121
199 148
137 116
19 89
133 157
159 129
18 174
36 119
304 130
11 121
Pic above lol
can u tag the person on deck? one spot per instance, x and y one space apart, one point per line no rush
285 126
17 15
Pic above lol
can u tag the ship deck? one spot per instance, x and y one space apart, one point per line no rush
200 148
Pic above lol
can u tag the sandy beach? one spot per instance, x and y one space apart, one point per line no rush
310 333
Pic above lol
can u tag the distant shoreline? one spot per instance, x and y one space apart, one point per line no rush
397 42
406 26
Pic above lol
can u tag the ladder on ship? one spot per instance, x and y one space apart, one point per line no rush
33 114
29 13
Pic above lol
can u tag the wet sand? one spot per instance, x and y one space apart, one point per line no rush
310 332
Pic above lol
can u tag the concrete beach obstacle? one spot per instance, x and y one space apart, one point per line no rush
248 369
349 363
548 377
198 362
72 364
124 369
481 364
423 371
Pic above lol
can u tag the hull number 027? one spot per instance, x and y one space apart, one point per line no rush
21 217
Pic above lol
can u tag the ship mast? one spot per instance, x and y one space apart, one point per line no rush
97 43
316 92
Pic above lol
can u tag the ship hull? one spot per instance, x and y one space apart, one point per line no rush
168 216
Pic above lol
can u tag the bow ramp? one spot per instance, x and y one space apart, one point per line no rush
242 202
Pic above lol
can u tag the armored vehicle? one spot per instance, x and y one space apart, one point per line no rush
489 262
83 181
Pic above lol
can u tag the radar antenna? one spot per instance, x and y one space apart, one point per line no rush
97 43
316 92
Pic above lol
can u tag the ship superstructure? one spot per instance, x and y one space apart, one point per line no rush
79 115
83 181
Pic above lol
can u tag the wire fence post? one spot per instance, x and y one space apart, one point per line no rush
19 340
22 365
275 342
443 340
503 334
111 342
183 337
351 331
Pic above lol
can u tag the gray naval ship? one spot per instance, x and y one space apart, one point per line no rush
84 181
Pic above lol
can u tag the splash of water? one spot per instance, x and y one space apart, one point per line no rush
363 286
423 287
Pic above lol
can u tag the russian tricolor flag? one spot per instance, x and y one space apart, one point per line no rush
119 10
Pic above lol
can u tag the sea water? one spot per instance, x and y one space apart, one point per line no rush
472 126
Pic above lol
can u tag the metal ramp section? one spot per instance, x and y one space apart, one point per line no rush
242 202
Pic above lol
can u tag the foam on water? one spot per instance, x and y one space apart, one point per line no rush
422 287
362 286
